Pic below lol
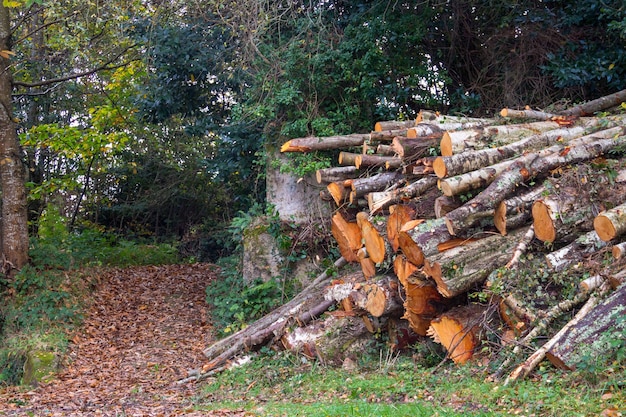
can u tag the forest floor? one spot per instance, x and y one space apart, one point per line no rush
145 328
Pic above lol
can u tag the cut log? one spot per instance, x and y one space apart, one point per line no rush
334 174
458 331
340 191
347 235
423 240
375 161
527 167
418 323
458 270
445 204
563 216
425 130
574 253
527 114
515 211
591 337
315 143
619 250
398 217
422 297
597 105
393 125
480 178
386 135
373 241
403 269
611 223
454 142
348 158
411 149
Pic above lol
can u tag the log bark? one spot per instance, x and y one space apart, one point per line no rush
386 135
333 174
393 125
376 161
527 167
348 158
378 182
597 105
454 142
515 211
315 143
464 267
458 331
378 201
574 253
611 223
272 325
590 337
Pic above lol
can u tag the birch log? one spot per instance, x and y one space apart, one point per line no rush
525 168
611 223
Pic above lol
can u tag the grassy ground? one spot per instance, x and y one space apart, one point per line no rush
281 385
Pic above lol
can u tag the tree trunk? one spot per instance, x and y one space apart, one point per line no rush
560 217
611 223
14 230
314 143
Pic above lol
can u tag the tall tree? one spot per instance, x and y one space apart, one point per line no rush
14 227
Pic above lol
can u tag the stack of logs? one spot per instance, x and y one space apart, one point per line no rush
446 201
433 209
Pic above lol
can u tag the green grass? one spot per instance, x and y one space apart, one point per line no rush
280 385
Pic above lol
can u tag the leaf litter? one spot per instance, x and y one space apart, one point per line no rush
145 329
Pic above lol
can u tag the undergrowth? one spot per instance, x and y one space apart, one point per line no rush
44 301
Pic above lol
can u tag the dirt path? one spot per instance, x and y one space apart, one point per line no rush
146 328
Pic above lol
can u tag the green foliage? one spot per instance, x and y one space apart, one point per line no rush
235 303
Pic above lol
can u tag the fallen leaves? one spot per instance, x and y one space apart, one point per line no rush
146 328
